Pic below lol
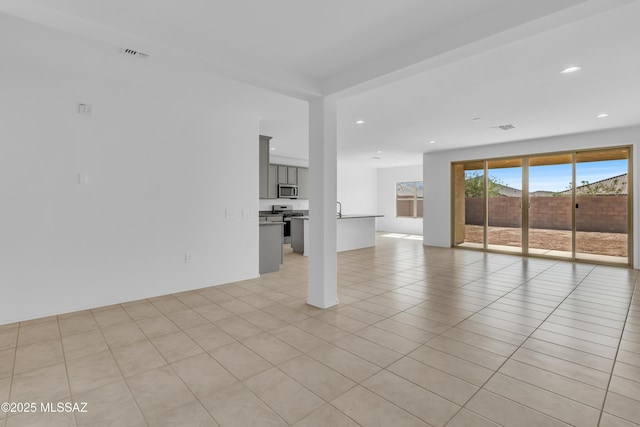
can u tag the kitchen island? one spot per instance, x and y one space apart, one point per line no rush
352 232
271 241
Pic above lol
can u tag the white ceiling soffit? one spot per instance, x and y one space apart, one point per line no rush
513 21
166 43
306 48
464 103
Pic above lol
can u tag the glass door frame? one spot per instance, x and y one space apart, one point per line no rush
517 250
579 255
526 204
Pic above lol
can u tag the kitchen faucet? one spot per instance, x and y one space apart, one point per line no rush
339 210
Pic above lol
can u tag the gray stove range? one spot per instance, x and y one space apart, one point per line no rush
287 212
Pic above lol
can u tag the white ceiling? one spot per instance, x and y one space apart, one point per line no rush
317 39
518 83
414 70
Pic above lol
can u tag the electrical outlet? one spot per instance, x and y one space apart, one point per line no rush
83 178
188 257
248 213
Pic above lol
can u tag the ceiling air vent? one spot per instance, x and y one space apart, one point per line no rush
504 127
135 53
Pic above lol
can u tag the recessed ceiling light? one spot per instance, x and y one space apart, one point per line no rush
570 70
602 115
359 122
273 148
379 152
432 142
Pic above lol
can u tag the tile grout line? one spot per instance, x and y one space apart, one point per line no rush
124 379
325 342
613 367
356 384
237 341
561 375
66 368
520 346
449 328
457 323
13 371
168 364
436 335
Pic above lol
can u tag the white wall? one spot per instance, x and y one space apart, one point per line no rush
437 168
161 173
357 188
387 179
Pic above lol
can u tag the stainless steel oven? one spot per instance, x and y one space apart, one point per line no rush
287 212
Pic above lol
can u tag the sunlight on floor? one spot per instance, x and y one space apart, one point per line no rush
403 236
605 259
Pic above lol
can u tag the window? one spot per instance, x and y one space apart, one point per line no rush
409 197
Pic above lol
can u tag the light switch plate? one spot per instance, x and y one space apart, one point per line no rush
232 213
85 109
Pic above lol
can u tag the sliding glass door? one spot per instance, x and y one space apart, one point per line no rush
573 205
550 211
602 205
504 205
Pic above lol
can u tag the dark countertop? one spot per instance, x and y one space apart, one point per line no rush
351 216
270 213
270 223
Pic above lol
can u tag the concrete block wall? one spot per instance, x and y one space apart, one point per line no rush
474 210
505 212
594 213
602 213
551 213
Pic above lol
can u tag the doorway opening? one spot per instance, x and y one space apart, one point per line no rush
572 205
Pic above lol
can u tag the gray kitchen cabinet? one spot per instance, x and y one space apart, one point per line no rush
303 183
272 174
271 251
297 235
292 175
272 191
282 174
263 173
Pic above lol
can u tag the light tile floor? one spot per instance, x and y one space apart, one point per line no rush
422 336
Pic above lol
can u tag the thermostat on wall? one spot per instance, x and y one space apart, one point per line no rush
86 109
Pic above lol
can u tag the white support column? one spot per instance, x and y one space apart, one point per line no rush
323 136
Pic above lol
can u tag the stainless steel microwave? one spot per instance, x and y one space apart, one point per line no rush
287 191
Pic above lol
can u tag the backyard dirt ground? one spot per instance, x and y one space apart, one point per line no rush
613 244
